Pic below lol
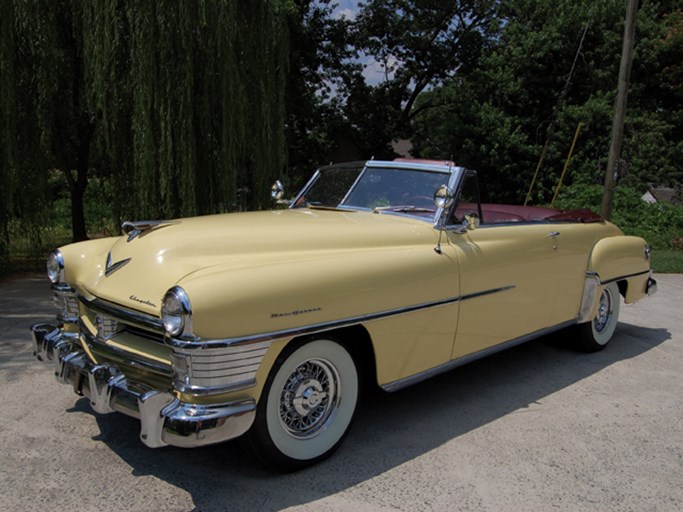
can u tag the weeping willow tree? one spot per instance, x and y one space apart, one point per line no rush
179 105
23 162
7 112
199 88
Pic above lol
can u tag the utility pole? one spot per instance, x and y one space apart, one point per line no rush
620 108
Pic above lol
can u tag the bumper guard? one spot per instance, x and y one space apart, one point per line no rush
164 419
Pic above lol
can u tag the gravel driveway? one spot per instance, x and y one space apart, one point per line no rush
539 427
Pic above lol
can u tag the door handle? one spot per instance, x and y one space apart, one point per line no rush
554 235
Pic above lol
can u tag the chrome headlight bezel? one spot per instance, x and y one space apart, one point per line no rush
176 313
55 267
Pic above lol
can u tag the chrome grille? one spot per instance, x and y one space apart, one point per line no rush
66 301
107 327
202 369
226 368
143 333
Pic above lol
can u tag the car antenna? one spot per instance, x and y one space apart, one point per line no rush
437 249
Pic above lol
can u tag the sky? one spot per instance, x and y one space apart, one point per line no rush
374 72
346 8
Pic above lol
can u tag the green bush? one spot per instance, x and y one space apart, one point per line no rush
659 223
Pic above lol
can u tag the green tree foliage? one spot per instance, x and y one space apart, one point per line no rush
321 62
165 109
8 148
497 117
22 164
206 83
420 44
179 104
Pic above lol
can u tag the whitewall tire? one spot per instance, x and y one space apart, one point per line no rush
596 334
306 406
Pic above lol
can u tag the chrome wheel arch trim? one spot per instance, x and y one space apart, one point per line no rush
590 292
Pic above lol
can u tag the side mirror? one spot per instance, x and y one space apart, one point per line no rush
277 191
443 197
470 222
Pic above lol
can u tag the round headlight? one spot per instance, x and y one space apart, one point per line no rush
55 267
176 312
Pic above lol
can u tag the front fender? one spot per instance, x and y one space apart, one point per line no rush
316 289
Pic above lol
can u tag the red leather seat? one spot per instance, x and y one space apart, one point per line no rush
504 213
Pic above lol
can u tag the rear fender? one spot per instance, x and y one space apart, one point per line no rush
621 259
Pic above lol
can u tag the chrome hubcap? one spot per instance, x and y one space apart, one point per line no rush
604 311
310 398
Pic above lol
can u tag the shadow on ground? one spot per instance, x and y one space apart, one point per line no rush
390 429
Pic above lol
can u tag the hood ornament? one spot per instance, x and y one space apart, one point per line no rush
111 267
135 229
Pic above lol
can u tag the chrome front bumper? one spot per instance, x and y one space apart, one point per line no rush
164 419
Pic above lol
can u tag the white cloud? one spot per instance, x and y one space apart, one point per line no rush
349 14
376 71
346 9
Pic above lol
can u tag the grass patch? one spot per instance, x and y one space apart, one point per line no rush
667 261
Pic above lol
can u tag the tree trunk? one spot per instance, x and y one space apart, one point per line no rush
79 183
77 211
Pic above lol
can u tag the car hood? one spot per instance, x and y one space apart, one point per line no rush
137 272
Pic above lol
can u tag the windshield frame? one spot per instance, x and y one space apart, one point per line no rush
452 174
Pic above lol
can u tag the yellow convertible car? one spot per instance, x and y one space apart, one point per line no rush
267 324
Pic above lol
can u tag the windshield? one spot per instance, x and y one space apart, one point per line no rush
374 188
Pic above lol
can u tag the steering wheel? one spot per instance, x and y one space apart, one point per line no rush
421 201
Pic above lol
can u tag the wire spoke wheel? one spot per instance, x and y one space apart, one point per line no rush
307 405
310 398
605 311
596 334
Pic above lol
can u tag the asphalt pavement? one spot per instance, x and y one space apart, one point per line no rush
540 427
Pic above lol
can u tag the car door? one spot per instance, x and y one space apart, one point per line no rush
508 284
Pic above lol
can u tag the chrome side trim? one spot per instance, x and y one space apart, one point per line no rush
625 277
419 377
325 326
